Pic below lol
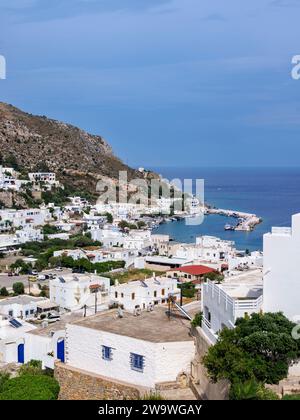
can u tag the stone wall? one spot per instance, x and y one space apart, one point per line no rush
76 384
201 384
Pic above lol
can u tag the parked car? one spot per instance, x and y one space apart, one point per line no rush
58 269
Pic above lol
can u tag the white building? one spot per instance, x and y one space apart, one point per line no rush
143 351
223 304
47 343
29 217
12 339
144 294
281 277
108 236
74 291
46 177
245 262
23 307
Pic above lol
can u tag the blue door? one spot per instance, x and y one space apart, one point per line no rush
21 353
61 350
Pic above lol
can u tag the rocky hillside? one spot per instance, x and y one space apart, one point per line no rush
40 144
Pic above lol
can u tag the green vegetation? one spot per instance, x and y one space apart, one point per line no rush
152 396
85 264
123 225
4 292
197 321
188 289
131 275
294 397
50 230
32 383
260 349
21 266
109 217
18 288
251 390
43 251
214 276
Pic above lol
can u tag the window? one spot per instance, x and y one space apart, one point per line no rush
155 293
122 295
116 295
137 362
11 313
133 296
31 311
106 353
163 292
26 313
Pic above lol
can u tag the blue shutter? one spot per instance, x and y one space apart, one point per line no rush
106 353
137 362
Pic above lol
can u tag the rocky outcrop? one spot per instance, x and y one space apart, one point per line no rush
38 143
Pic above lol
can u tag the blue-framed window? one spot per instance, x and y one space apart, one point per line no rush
106 353
137 362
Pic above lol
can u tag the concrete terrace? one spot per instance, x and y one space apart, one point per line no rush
149 326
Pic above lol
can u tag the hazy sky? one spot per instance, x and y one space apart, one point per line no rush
166 82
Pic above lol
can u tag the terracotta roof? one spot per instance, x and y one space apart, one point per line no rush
195 270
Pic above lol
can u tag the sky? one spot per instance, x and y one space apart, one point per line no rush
165 82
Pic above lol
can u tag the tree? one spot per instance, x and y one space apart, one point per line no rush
109 218
188 289
260 348
4 291
18 288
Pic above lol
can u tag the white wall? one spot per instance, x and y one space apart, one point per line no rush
163 362
281 268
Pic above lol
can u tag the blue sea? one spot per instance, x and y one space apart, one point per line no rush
271 193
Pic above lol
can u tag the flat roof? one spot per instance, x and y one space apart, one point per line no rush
22 300
153 326
56 326
249 277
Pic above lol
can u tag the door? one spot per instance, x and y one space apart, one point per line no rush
21 353
61 350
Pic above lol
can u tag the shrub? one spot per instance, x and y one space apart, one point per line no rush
32 368
18 288
4 291
30 387
197 321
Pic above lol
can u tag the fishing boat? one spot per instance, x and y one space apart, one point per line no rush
229 227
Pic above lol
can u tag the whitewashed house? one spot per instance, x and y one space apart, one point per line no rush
45 177
12 339
29 217
223 304
109 236
281 276
144 351
74 291
145 293
23 306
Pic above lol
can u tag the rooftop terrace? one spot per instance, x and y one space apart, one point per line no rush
149 326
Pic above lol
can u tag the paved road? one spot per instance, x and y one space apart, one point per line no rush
6 281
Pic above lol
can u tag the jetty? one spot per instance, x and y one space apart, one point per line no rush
246 221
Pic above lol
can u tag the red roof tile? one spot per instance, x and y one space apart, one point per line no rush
195 270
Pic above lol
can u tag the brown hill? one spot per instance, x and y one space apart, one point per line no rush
37 143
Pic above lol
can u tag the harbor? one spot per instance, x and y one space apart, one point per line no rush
246 222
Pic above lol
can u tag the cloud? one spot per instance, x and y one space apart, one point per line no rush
39 10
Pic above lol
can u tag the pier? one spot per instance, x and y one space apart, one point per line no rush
246 221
